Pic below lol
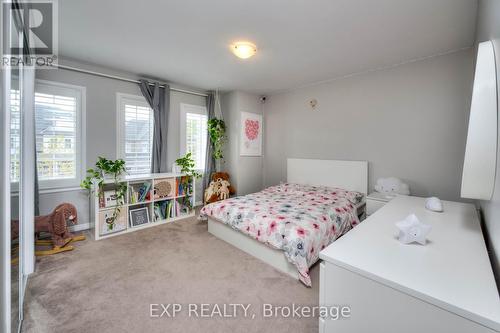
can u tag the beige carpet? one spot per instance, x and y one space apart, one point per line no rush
108 286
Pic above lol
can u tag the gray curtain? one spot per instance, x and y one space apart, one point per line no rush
209 159
159 100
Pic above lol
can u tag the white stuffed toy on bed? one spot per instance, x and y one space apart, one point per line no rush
392 186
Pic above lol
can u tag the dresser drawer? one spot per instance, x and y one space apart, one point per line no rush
376 307
373 205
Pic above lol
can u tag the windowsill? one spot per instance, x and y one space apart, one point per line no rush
53 190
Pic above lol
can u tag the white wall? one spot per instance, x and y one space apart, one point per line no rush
101 125
488 28
409 121
245 171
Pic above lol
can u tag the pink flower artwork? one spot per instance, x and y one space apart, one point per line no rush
252 129
251 134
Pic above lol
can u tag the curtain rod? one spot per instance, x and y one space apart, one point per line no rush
75 69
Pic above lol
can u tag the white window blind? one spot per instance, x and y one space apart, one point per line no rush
137 122
58 127
56 121
194 133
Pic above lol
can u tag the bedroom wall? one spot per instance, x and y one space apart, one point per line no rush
408 121
245 171
488 28
101 126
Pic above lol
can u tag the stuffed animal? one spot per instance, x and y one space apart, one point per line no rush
224 186
56 224
392 186
219 189
211 191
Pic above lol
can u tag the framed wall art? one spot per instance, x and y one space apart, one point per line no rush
251 134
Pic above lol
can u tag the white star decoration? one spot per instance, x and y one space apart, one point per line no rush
412 230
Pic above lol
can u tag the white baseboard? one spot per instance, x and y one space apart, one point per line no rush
80 227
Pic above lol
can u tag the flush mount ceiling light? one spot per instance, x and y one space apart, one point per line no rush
244 50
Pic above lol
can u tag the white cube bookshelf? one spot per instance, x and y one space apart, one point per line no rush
173 200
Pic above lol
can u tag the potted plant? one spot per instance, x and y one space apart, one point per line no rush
217 132
105 169
186 164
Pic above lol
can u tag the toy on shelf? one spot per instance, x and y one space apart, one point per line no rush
392 187
219 189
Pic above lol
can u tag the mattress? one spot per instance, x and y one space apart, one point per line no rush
300 220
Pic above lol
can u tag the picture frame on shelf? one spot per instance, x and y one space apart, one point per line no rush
139 216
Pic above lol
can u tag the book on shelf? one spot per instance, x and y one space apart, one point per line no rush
181 207
144 191
178 187
182 210
140 195
184 186
164 209
158 213
180 190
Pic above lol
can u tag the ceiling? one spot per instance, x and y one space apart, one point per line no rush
299 42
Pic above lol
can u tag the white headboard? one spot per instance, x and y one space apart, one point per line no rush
348 175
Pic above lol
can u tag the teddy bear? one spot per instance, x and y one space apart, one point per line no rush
392 186
219 189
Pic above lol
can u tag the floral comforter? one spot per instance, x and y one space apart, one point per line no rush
301 220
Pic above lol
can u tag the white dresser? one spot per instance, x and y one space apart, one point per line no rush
444 286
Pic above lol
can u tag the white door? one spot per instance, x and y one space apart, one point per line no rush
17 156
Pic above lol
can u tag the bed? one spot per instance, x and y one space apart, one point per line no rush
287 225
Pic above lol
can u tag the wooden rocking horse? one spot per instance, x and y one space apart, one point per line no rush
56 224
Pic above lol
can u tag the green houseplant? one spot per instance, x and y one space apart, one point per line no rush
217 132
187 167
105 168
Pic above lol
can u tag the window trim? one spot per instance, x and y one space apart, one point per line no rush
185 109
120 120
80 135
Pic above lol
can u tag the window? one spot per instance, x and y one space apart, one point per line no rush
194 133
15 135
135 133
59 129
